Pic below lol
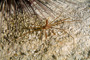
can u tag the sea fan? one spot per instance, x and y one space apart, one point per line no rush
32 7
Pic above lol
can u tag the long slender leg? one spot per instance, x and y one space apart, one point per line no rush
55 19
59 22
45 34
65 32
24 34
73 21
